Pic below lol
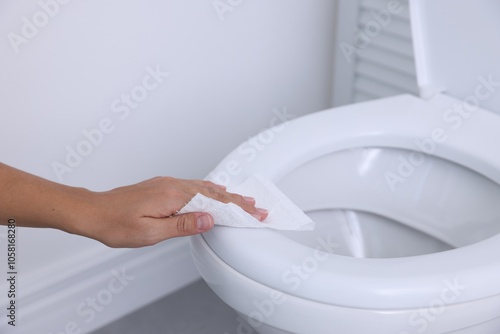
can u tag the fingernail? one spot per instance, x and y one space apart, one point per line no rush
249 199
257 216
261 214
204 222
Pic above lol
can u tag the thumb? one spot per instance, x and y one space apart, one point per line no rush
188 224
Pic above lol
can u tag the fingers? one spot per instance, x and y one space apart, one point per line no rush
245 202
149 231
220 194
185 225
206 184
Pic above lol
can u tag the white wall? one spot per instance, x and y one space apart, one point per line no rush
227 72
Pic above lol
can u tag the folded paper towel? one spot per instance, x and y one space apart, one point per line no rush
283 214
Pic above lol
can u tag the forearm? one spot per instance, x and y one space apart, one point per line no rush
36 202
132 216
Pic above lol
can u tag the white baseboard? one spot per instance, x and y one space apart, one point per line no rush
86 294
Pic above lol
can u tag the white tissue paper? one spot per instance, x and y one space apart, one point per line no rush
283 214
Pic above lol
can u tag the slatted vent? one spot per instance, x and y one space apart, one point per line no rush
385 65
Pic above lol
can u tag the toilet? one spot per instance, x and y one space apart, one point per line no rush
405 193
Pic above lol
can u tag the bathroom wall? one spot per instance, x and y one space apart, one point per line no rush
100 94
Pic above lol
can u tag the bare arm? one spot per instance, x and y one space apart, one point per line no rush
133 216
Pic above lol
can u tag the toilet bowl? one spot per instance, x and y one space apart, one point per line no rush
405 193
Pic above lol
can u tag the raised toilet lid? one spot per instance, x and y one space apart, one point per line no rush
456 47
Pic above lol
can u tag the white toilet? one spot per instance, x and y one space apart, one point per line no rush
405 193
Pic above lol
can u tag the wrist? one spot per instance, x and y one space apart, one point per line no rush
78 211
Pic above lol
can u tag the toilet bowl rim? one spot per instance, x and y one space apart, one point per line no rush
476 265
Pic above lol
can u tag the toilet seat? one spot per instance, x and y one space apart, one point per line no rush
356 282
365 295
254 301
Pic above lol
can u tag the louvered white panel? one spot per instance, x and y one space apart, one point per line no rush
396 46
386 66
398 27
404 65
385 76
382 4
374 88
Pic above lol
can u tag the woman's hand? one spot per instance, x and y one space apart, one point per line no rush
138 215
145 213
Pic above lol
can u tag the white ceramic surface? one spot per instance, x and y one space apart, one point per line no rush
342 165
405 193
